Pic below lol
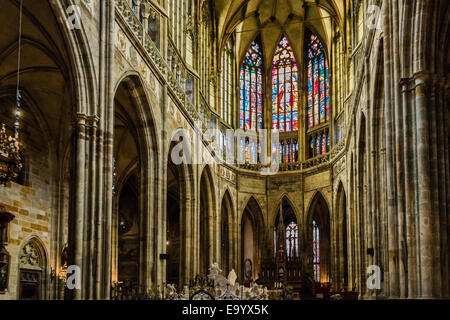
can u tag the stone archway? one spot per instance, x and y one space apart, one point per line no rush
32 271
341 240
207 220
227 234
252 238
173 232
290 229
135 169
319 245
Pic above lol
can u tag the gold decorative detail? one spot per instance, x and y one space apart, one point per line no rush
10 160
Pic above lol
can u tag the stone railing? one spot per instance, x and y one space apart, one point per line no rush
358 60
316 161
154 53
294 166
175 77
130 17
338 148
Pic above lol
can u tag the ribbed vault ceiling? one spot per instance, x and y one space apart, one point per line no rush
271 18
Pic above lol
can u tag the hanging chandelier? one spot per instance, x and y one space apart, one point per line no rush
10 159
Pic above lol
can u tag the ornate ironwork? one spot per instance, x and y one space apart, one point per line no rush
10 160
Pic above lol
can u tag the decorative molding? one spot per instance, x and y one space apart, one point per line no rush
30 257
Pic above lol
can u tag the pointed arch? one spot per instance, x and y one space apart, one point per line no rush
226 232
284 88
318 226
317 88
252 240
341 234
251 88
207 219
290 228
135 145
33 265
363 212
178 230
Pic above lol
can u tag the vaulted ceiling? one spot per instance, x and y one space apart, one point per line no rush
272 18
44 71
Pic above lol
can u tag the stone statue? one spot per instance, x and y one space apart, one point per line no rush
214 271
232 278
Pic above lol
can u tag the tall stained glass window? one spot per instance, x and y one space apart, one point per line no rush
318 111
251 89
292 240
316 251
284 88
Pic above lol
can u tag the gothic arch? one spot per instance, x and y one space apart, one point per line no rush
340 243
252 237
227 233
33 279
289 216
208 219
378 204
82 60
145 113
363 213
287 198
179 181
135 145
319 214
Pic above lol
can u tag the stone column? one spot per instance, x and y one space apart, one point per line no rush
76 216
424 195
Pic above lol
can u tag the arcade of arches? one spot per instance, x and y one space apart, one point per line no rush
357 92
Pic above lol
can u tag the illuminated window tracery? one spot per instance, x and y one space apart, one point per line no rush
251 89
284 88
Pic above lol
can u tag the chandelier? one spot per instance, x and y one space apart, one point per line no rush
10 159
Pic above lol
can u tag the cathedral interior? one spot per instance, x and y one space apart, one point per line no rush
300 145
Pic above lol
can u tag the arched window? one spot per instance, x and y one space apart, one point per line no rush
316 251
251 89
284 88
226 83
292 239
318 111
288 151
286 231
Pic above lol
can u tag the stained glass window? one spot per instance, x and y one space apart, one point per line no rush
319 144
251 89
318 111
292 240
316 251
288 151
284 88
